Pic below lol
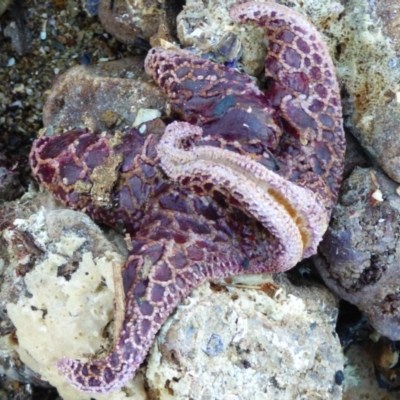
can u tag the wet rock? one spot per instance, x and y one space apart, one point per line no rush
129 19
387 11
140 22
360 253
103 97
10 185
273 340
17 30
206 27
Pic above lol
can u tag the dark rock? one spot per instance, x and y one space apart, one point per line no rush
360 254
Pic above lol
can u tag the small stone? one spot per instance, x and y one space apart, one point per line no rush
110 118
339 377
377 195
11 62
127 20
145 115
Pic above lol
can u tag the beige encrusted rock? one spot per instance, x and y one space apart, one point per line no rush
246 343
107 96
62 305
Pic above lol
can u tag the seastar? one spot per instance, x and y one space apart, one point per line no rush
245 185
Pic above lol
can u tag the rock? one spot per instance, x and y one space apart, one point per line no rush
103 97
17 254
360 253
58 293
17 30
207 27
361 377
243 343
4 5
140 22
10 185
127 20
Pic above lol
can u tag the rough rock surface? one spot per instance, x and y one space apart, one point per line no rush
128 19
58 292
140 22
244 343
10 185
103 97
207 27
360 254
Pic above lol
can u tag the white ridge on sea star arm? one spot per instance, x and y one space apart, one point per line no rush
294 215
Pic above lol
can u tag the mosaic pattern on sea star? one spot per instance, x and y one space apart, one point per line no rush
248 190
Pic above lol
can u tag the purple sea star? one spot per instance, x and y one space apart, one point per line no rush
245 185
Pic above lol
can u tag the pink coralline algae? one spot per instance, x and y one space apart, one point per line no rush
245 183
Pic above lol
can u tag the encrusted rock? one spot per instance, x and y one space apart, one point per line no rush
206 26
103 97
129 19
360 254
58 291
266 339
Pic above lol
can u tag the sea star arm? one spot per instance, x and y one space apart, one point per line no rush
303 87
157 276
